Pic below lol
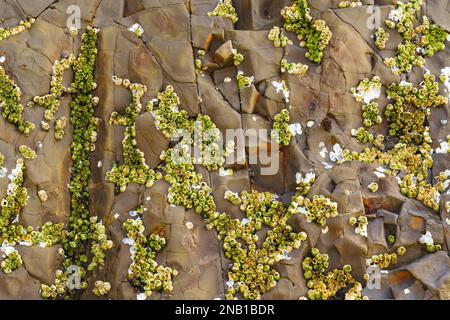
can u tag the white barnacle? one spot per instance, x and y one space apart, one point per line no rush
295 128
443 148
141 296
137 29
427 239
336 154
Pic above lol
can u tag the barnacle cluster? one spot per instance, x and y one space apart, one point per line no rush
361 223
225 9
371 114
362 135
16 198
202 132
304 183
23 25
10 106
198 66
366 91
60 125
381 38
101 288
206 139
251 273
134 169
238 58
26 152
407 116
11 232
281 132
144 272
60 286
313 34
421 41
411 107
323 285
169 118
233 197
84 232
276 34
293 68
349 4
51 101
385 260
423 191
12 261
319 209
428 241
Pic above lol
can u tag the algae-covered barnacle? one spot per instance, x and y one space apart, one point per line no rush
169 117
244 81
349 4
320 209
371 114
16 199
233 197
13 233
225 9
238 58
26 152
12 261
313 34
60 125
381 38
101 288
293 68
391 239
373 186
276 34
382 260
362 135
361 225
23 25
366 91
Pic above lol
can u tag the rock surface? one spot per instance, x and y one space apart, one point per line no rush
174 31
